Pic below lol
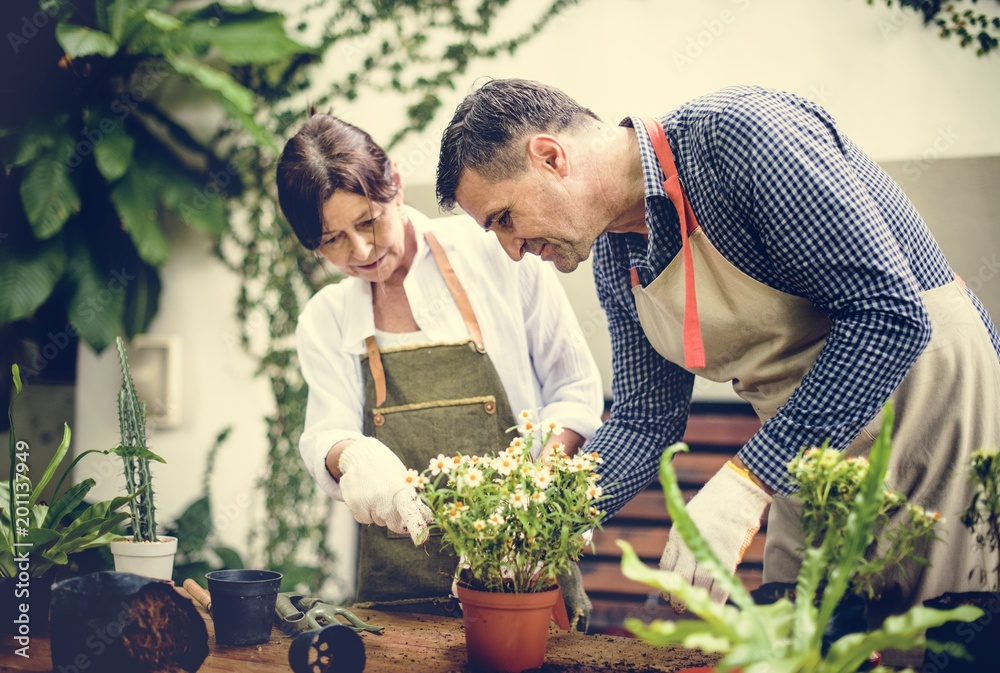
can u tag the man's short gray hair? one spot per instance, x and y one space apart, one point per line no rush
483 132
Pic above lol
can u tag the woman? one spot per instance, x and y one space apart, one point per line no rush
429 346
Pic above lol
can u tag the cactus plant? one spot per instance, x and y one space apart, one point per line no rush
135 455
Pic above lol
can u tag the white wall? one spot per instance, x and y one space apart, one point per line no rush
901 92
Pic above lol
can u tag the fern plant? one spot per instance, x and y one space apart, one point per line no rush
135 455
786 636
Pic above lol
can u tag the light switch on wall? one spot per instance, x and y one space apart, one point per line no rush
155 362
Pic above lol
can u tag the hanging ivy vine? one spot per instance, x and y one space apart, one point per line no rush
964 20
413 48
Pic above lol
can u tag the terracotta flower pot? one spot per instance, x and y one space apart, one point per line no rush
506 632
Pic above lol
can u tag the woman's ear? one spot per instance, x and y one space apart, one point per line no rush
397 180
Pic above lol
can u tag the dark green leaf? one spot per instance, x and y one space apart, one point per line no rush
113 149
136 198
259 38
194 526
230 558
27 277
97 303
73 496
47 193
142 299
79 41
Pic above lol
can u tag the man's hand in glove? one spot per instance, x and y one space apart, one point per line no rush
373 483
727 511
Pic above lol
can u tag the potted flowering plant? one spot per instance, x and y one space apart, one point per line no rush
787 635
516 525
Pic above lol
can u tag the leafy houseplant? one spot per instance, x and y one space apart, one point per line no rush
145 553
982 518
516 525
786 635
37 539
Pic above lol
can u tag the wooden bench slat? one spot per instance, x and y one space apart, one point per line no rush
720 429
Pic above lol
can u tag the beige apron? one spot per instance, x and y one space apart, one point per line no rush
765 341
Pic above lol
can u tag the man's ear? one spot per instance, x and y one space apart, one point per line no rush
397 180
546 153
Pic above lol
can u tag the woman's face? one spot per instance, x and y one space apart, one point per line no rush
366 239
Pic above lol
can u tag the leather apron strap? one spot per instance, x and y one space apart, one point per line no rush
694 347
464 308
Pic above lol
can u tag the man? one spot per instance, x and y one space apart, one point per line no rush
753 243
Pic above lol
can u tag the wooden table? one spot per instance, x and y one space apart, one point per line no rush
416 644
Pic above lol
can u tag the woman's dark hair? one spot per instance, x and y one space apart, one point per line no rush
325 155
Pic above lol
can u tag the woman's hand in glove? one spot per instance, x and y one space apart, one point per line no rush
374 487
727 511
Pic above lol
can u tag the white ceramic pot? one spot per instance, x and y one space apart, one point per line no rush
149 559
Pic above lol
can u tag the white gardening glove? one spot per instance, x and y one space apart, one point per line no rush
375 489
727 511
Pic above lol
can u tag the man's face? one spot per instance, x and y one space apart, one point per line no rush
533 212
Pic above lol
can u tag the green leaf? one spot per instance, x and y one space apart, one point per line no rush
53 465
47 193
27 277
32 140
142 299
65 503
136 452
200 205
164 22
230 558
237 96
194 526
113 150
136 198
250 39
79 41
97 303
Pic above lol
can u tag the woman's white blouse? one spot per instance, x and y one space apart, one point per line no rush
528 326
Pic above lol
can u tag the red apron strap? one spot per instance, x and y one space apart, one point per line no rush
694 346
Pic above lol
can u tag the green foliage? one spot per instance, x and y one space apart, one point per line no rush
959 19
982 516
49 534
516 524
93 153
414 49
135 456
785 636
828 484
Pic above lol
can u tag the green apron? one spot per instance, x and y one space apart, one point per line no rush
421 401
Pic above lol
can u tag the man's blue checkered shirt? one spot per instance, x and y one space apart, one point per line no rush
793 203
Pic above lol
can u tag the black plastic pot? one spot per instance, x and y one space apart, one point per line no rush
243 605
981 638
15 594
